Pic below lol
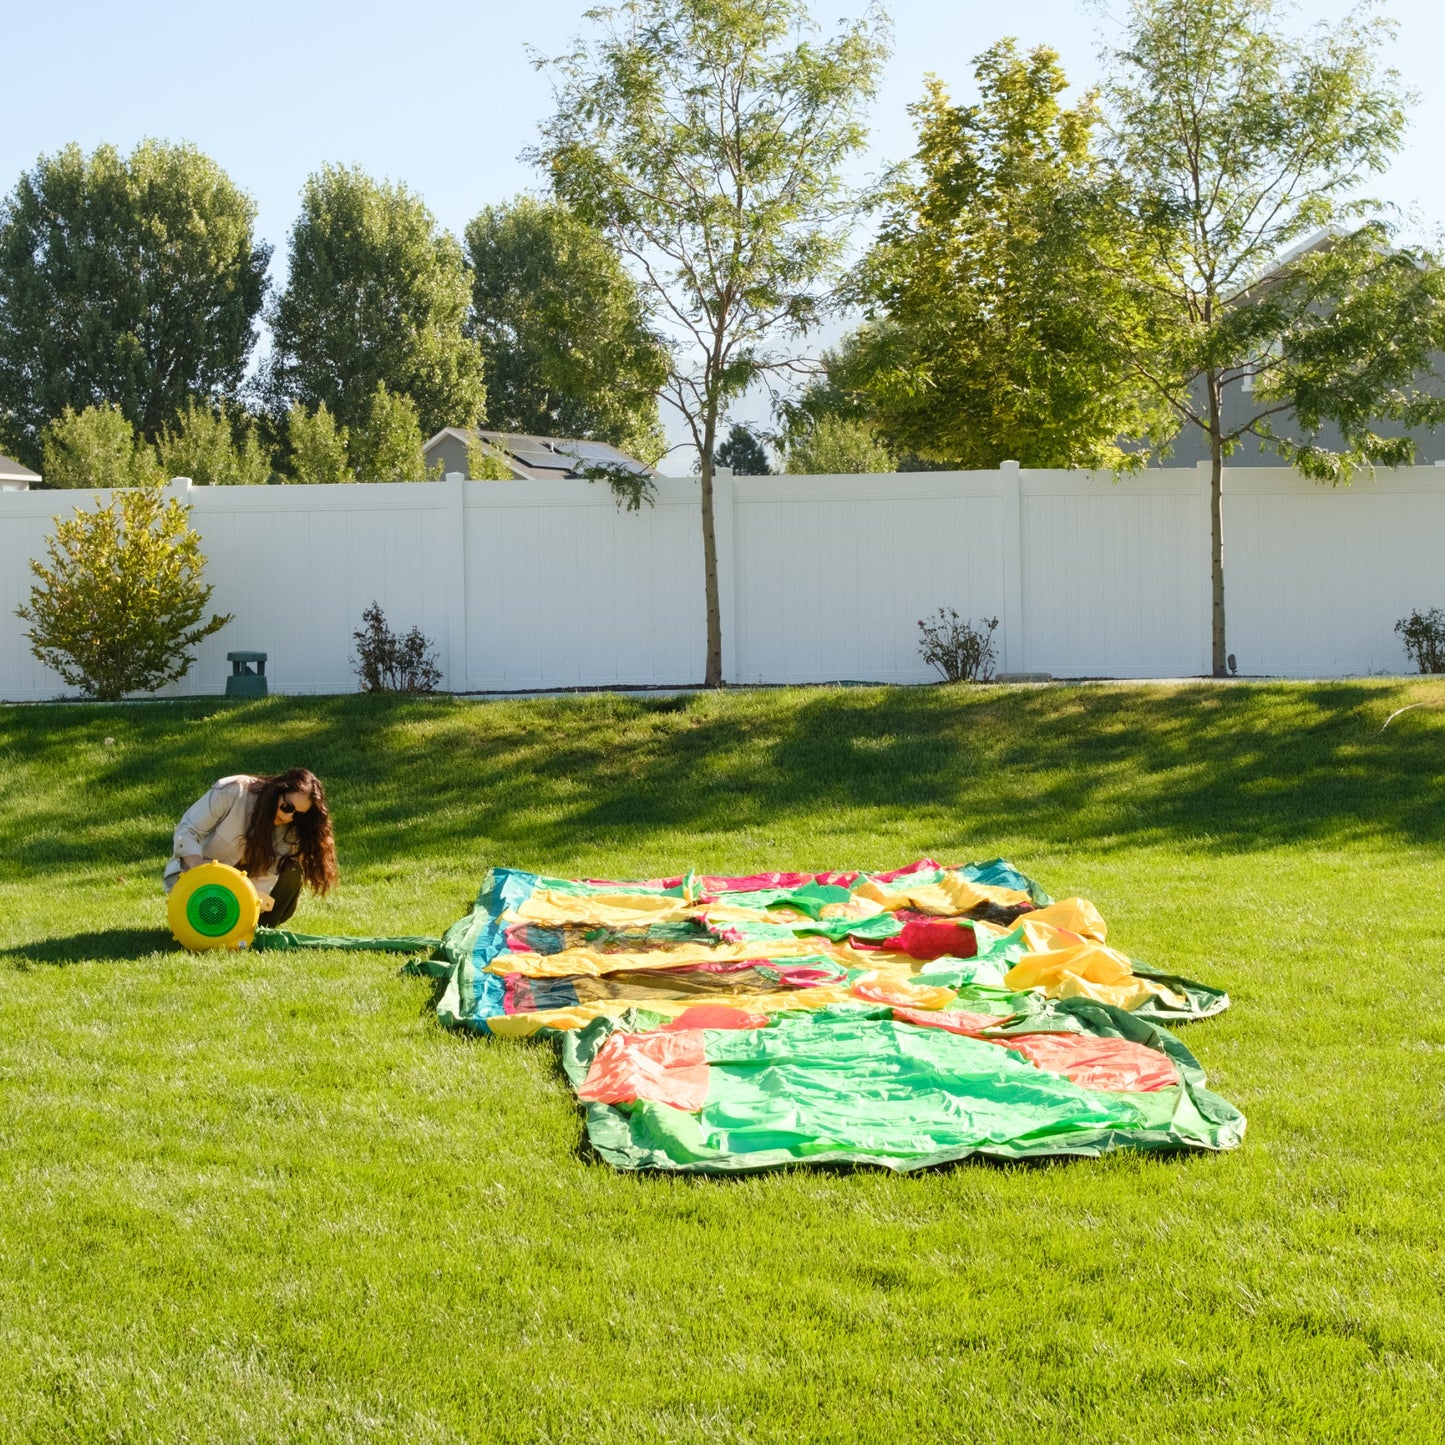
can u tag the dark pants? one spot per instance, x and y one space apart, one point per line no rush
285 895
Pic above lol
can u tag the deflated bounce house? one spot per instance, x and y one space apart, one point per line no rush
903 1019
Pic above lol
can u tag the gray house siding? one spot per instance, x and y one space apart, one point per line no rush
450 451
1191 445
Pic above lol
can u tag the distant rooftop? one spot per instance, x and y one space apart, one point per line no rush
532 458
14 477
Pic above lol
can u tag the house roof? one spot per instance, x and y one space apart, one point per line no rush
1269 271
535 458
12 471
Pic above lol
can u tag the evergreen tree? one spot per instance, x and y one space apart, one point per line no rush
743 454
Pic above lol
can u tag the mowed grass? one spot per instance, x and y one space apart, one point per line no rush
267 1198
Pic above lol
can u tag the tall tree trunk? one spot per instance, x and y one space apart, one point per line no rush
712 675
1219 651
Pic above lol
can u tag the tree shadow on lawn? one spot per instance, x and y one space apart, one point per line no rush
106 945
542 782
1233 769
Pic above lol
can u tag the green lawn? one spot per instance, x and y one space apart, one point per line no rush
267 1198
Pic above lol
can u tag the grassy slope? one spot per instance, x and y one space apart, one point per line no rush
263 1198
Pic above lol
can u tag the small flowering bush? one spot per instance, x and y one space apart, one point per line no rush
388 663
960 651
1424 637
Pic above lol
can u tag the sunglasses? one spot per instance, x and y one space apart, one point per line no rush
285 805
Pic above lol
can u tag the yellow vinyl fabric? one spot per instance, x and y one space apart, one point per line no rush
553 955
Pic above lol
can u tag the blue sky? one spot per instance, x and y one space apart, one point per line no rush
441 94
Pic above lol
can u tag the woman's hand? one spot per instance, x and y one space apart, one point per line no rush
267 902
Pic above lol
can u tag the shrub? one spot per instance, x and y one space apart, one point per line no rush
389 447
318 447
96 447
837 446
1424 635
213 448
484 465
120 605
388 663
962 653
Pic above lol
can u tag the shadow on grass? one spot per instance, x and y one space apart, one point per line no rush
535 783
106 945
436 987
1220 769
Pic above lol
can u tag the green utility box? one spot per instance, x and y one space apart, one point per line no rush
248 674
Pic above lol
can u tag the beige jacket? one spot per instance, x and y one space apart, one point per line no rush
214 828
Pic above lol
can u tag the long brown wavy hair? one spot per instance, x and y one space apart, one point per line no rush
315 850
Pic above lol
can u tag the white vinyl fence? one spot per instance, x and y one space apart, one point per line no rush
531 585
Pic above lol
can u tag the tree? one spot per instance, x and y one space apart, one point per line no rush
743 454
996 286
377 293
837 446
707 139
1236 149
563 332
484 465
134 281
213 447
319 452
122 602
388 447
96 447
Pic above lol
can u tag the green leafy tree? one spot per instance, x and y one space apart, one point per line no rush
837 386
997 285
388 447
134 281
213 447
744 454
564 335
1234 144
319 448
121 602
484 465
708 140
96 447
377 293
838 446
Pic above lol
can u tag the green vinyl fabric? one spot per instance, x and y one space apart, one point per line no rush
849 1086
286 940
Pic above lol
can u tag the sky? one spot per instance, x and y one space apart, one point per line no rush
442 95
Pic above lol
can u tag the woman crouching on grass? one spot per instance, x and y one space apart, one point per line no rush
275 830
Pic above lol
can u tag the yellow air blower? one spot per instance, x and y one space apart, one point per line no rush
213 906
